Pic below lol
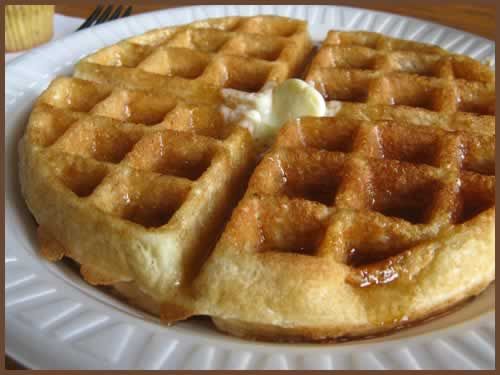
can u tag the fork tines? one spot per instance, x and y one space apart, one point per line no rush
103 14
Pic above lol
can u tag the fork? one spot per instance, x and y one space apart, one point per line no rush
101 15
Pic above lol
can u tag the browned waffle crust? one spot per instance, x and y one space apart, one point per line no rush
355 228
140 167
377 216
381 78
235 52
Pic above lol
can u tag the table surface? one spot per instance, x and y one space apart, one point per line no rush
476 17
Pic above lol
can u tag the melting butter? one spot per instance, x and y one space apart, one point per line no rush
265 112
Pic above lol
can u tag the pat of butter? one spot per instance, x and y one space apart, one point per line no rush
264 113
295 98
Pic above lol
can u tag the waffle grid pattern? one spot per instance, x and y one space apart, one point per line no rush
365 193
409 154
143 152
137 135
412 181
236 52
369 68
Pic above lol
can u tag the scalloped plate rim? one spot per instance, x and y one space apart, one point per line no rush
287 351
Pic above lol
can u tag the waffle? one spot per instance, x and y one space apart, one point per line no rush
243 53
129 167
378 215
375 217
366 75
129 192
351 228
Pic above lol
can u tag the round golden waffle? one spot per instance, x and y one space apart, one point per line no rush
376 216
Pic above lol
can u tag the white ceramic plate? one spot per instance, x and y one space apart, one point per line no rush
55 320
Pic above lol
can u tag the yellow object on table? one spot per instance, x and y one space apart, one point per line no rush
27 26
